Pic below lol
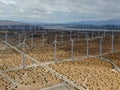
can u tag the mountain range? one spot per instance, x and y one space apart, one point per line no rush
115 21
10 22
101 22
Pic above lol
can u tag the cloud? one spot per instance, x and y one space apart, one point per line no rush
7 2
59 10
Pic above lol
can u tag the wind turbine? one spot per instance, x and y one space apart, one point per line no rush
72 48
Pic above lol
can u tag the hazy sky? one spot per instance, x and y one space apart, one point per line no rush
59 10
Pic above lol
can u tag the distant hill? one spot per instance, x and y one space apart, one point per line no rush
102 22
115 21
9 22
110 22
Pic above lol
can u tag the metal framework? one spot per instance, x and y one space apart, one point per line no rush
23 53
87 36
55 48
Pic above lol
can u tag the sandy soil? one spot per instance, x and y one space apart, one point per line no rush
99 74
34 78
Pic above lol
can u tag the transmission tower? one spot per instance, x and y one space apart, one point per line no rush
23 52
55 48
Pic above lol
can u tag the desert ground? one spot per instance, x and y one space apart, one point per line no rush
78 66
